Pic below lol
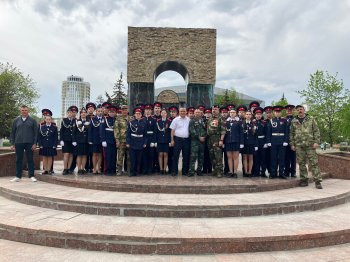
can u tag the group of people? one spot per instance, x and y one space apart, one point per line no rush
106 139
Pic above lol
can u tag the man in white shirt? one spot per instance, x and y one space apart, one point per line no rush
180 141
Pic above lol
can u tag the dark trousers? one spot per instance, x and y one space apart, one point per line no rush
74 163
290 168
135 159
20 148
110 153
277 160
268 159
181 144
89 165
207 167
170 159
226 169
148 160
259 164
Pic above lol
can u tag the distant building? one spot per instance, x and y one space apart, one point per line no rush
176 95
75 92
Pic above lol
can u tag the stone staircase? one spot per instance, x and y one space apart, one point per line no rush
174 215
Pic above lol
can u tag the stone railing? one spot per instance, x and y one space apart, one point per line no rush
8 161
337 164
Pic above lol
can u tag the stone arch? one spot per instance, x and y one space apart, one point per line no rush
189 51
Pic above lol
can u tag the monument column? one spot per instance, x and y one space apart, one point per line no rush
140 93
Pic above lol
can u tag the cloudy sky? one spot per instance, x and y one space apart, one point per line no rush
264 48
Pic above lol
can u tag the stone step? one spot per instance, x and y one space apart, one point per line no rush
135 235
10 252
97 202
173 185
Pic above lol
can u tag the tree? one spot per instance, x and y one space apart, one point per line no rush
282 102
325 97
344 117
118 95
16 89
228 97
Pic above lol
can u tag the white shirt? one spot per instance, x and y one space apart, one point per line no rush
181 126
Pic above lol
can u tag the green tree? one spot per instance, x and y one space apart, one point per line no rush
230 96
282 102
16 89
344 117
325 97
119 95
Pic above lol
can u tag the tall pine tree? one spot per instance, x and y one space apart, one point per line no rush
119 96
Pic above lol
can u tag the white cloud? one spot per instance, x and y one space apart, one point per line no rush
264 48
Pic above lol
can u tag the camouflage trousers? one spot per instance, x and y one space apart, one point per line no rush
121 152
215 154
307 155
197 154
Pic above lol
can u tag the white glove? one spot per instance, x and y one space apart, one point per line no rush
79 122
151 144
104 144
256 148
265 145
90 143
155 144
285 144
241 146
62 143
74 143
268 144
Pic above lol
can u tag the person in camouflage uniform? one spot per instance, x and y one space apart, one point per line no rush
197 134
216 132
120 129
304 139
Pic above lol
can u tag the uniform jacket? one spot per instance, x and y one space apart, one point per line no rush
66 131
107 130
234 131
150 129
137 134
163 131
94 130
80 131
277 131
305 133
48 135
197 129
249 133
121 128
261 126
216 127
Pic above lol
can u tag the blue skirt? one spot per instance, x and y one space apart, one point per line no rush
163 147
82 149
230 147
96 148
47 151
248 150
68 147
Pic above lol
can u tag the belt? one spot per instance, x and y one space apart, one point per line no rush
109 129
261 136
136 135
181 137
278 134
149 132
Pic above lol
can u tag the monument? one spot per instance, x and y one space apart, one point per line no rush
190 52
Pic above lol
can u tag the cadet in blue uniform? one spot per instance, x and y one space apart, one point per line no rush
277 139
269 116
90 107
241 111
108 142
136 141
157 107
80 140
259 166
47 140
173 113
163 140
250 143
290 167
224 115
148 152
94 140
66 134
233 141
